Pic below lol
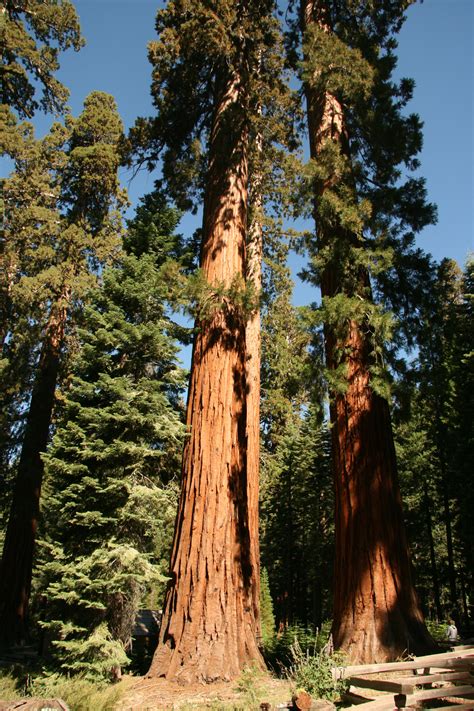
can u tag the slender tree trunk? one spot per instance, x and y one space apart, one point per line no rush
17 559
449 530
434 567
210 619
253 358
376 612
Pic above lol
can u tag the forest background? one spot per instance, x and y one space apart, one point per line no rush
435 48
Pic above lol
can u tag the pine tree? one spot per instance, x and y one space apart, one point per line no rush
464 434
266 609
210 82
419 481
113 465
296 496
364 216
84 235
33 33
442 375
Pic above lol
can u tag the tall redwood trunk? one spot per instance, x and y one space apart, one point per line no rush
17 559
210 619
376 613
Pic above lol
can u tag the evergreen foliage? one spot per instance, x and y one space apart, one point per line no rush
114 461
433 439
297 503
368 209
52 264
198 47
296 488
33 34
267 618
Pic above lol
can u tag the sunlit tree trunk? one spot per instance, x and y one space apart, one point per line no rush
18 549
376 612
210 621
253 362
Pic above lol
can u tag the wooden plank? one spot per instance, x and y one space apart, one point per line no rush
386 703
440 693
353 698
438 661
459 707
397 687
406 684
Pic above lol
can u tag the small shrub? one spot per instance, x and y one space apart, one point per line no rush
437 630
278 652
312 672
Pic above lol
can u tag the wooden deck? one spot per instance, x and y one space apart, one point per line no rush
448 675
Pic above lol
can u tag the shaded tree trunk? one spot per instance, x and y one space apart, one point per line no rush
434 567
448 526
210 619
376 613
17 559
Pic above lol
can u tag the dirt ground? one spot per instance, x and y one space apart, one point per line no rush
241 695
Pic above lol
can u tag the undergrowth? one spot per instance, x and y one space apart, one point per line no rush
79 694
312 672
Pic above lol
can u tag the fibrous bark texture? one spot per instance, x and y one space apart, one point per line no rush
18 549
376 613
210 619
253 362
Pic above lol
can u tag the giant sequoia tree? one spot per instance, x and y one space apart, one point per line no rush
364 216
209 95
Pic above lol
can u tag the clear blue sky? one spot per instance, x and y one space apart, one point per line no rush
435 48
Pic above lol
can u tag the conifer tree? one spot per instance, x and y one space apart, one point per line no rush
365 219
464 433
33 34
84 235
266 609
442 395
210 80
296 496
419 481
30 226
112 469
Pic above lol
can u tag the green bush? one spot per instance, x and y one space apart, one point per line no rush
437 630
312 671
278 651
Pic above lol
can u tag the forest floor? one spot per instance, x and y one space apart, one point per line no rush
240 695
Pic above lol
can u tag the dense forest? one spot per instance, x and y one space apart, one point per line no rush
318 477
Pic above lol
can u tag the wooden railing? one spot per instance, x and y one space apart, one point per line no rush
452 673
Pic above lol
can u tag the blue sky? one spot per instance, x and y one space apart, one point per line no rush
435 48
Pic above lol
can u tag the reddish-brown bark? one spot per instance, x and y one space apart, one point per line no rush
376 613
253 358
18 549
210 618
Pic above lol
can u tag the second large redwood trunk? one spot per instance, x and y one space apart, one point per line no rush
376 614
210 619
